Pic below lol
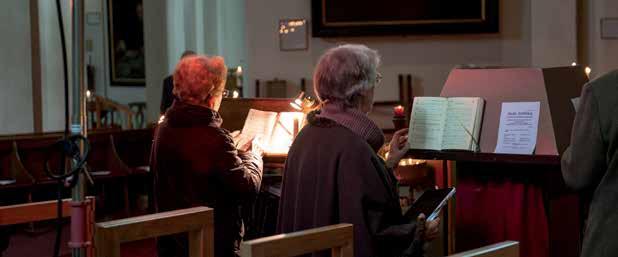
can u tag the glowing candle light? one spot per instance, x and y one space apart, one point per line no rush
399 111
574 64
235 94
588 71
161 119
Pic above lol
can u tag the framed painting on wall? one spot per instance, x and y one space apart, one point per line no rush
126 43
335 18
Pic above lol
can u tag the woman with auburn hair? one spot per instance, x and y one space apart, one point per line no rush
195 161
333 173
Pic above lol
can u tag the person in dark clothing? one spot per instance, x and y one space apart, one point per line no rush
167 97
590 164
195 161
333 173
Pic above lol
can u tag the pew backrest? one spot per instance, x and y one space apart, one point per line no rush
198 221
40 211
339 239
504 249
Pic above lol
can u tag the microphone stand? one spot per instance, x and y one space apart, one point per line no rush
79 240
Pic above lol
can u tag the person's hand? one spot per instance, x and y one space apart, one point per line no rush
256 146
241 144
235 134
398 148
432 229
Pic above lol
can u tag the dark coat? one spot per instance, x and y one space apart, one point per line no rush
196 164
591 163
167 95
332 176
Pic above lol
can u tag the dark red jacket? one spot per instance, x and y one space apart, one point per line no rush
196 163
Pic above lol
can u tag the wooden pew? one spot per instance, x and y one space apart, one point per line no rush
338 238
133 149
104 158
40 211
11 167
198 221
34 151
504 249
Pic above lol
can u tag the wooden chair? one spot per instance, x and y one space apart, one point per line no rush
338 238
34 152
133 148
198 221
40 211
12 167
277 88
97 105
106 166
504 249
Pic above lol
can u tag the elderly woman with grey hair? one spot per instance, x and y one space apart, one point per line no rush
333 173
195 161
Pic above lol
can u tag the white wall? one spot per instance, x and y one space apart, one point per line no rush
211 27
601 54
52 79
428 58
15 68
156 48
554 33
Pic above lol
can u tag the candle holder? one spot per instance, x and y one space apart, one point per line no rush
400 122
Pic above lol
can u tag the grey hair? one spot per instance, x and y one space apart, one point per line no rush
344 73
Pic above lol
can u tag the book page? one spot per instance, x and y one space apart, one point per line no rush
460 123
258 123
427 123
283 132
519 125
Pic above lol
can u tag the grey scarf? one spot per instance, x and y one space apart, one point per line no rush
356 121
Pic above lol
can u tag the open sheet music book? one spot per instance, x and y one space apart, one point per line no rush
275 130
439 123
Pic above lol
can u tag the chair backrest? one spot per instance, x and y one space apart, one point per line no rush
504 249
198 221
40 211
12 167
104 157
338 238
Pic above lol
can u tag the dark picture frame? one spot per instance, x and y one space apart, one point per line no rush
337 18
127 65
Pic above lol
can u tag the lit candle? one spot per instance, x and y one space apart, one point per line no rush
399 111
588 71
